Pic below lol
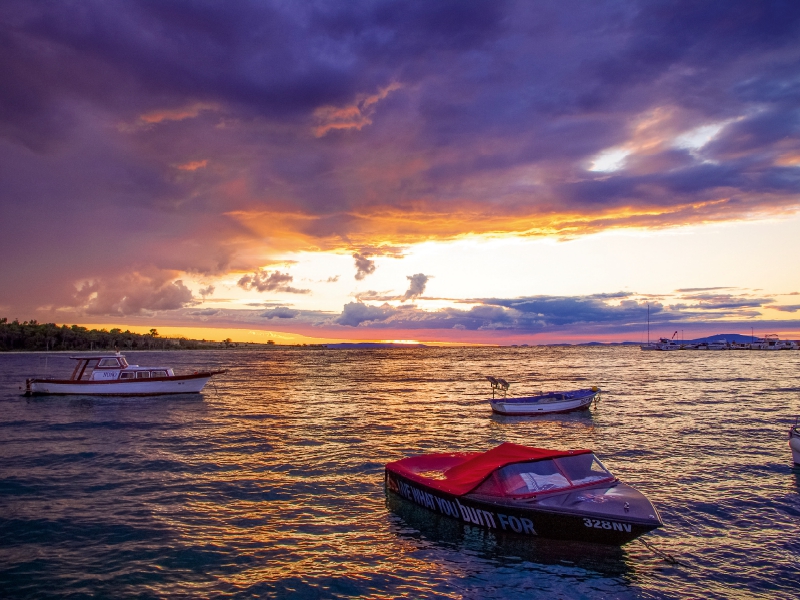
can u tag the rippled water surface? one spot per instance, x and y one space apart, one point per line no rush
270 483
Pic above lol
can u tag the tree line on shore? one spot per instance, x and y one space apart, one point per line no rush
32 335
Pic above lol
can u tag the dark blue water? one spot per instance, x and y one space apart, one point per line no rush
271 485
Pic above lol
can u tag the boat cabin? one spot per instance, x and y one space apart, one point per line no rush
112 368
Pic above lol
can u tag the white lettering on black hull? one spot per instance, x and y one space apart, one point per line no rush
599 524
454 508
515 524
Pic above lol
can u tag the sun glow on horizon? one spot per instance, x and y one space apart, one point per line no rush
633 259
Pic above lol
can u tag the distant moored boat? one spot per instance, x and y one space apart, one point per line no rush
540 404
111 375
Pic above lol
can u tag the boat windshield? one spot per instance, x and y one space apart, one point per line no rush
583 468
526 478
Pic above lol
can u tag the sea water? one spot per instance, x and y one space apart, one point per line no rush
270 483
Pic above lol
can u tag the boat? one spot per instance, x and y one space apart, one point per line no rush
649 345
664 345
769 342
540 404
111 375
718 345
560 494
794 441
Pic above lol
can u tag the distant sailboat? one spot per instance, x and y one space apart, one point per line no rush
648 346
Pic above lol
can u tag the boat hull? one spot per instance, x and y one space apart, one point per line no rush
524 521
181 384
536 406
794 444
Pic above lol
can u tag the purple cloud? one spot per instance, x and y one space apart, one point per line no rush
787 308
357 313
131 295
280 312
264 281
364 266
206 312
417 286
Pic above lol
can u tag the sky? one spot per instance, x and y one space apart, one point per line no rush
469 172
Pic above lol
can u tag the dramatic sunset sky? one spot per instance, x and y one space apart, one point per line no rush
455 171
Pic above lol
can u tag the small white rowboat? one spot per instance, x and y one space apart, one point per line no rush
111 375
549 403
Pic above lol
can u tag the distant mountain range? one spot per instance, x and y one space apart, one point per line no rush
727 337
718 337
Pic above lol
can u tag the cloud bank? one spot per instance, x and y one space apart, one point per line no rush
182 137
619 312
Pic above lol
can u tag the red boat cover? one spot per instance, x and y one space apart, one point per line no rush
459 474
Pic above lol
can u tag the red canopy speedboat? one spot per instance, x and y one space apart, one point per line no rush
559 494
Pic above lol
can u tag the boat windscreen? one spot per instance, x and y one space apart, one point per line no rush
583 468
520 479
531 477
87 369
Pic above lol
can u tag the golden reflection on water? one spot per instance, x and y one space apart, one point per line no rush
336 417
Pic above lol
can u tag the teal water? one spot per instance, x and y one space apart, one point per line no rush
270 483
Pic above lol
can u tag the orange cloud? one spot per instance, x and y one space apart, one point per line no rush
788 160
354 116
177 114
192 166
392 226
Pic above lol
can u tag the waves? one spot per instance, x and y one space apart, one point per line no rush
272 484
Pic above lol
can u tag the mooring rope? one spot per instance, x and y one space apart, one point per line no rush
667 557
